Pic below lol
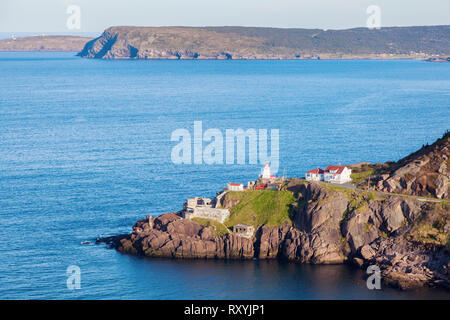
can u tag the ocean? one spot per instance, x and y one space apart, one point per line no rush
86 151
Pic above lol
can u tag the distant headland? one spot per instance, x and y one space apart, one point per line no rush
126 42
44 43
431 43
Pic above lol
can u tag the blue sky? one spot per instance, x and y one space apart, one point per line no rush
96 15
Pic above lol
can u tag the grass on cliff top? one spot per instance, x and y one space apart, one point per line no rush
357 177
335 187
260 207
218 228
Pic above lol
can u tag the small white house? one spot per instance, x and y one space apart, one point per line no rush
314 175
333 174
235 187
337 174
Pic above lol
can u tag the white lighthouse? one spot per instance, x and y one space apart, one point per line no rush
266 172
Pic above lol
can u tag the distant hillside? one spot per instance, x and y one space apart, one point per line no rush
268 43
44 43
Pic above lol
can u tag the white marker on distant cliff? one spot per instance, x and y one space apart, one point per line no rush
235 139
374 20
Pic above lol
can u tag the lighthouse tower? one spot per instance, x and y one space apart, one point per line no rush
266 172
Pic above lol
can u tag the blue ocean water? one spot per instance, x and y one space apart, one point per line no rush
85 151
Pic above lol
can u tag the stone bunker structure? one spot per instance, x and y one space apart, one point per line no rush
244 230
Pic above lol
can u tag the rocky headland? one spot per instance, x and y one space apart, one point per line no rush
429 43
406 236
126 42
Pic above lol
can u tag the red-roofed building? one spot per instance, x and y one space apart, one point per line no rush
333 174
314 175
315 171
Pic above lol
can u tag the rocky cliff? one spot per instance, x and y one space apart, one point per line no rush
330 225
425 172
267 43
169 235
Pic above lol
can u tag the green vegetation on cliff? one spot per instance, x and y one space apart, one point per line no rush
432 225
260 207
218 228
359 176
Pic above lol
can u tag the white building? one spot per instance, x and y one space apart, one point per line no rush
333 174
266 171
314 175
235 186
266 174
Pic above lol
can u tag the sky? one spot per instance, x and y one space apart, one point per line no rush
96 15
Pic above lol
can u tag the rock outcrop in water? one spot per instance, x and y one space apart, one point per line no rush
408 238
171 236
124 42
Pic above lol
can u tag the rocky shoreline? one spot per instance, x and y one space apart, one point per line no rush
404 234
326 229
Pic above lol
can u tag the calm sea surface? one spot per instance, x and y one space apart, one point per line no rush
85 152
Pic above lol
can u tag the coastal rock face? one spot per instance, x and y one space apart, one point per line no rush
422 173
169 235
316 237
394 233
407 236
124 42
270 240
365 224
